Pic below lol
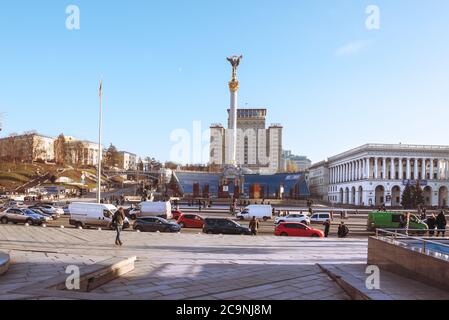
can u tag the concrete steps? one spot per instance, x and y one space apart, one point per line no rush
352 279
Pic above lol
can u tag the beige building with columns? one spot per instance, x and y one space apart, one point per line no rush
377 174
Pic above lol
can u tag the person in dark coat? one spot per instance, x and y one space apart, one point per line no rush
441 224
254 226
431 223
343 230
327 228
118 221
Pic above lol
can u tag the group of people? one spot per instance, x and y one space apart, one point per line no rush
439 222
343 230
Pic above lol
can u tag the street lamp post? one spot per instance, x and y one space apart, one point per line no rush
100 151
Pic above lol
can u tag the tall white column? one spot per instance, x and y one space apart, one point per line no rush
423 169
352 171
409 169
392 169
384 168
439 169
368 171
432 162
416 170
357 170
376 168
401 169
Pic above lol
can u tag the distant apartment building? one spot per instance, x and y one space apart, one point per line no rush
127 160
302 163
27 147
81 152
258 146
318 180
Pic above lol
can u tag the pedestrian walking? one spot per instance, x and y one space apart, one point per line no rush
118 220
327 228
441 224
254 226
431 223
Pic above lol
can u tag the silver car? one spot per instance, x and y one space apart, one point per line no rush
21 215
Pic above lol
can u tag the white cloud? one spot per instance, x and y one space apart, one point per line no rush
352 48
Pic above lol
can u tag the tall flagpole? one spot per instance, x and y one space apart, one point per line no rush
100 151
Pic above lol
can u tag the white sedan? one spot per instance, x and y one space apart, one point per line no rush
294 217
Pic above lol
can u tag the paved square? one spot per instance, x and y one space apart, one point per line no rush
181 266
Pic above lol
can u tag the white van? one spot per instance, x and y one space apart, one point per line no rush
94 215
152 209
259 211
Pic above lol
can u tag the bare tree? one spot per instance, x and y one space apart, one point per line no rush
60 150
11 150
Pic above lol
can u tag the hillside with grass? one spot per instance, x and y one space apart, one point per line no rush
15 175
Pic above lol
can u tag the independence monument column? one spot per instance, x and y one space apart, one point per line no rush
233 88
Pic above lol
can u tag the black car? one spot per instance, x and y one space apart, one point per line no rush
224 226
154 224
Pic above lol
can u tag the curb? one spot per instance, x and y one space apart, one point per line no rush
353 292
4 263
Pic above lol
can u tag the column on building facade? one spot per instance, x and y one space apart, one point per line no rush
352 171
432 162
416 170
392 169
409 169
439 169
423 169
357 170
401 168
376 168
384 168
367 168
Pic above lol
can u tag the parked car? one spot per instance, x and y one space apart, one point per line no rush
52 212
154 224
191 221
40 212
293 217
224 226
320 218
176 214
21 215
259 211
297 229
93 215
55 212
66 210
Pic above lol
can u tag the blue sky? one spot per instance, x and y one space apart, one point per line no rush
332 83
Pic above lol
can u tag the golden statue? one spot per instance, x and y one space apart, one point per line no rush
235 62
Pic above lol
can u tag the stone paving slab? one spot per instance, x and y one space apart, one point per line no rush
179 266
392 286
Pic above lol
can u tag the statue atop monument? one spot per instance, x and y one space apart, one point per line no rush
235 62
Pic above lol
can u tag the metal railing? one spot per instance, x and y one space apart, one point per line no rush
396 235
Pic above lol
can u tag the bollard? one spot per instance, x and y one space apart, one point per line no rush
44 226
27 224
99 229
62 227
80 228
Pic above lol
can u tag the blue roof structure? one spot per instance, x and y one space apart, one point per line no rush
186 180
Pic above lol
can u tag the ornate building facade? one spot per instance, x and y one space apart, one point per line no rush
377 174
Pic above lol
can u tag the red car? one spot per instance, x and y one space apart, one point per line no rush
176 214
191 221
296 229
